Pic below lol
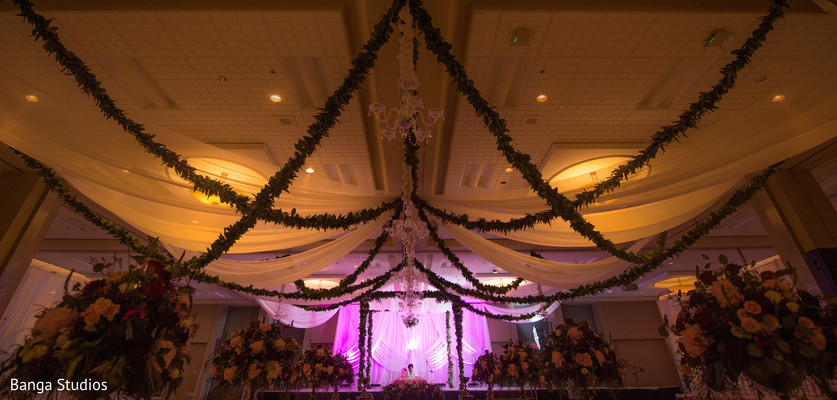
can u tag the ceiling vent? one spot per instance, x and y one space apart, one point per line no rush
507 76
129 74
310 75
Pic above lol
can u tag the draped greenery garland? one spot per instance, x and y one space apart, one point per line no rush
450 359
260 208
457 324
361 344
369 318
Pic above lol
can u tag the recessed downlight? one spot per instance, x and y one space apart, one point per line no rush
509 169
32 98
542 98
275 98
309 170
777 98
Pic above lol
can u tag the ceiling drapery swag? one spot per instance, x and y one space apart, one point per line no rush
409 218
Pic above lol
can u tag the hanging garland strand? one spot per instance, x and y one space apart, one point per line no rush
324 121
522 162
370 318
90 85
450 359
361 342
707 102
457 325
466 273
328 221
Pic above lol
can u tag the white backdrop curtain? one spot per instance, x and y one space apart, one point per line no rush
42 287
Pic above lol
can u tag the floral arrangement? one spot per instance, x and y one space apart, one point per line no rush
487 370
256 357
576 357
126 334
519 366
319 369
737 322
412 389
410 320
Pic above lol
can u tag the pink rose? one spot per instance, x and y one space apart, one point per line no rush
584 359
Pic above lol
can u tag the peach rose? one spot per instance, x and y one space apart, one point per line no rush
741 314
279 344
115 276
557 359
751 325
770 322
752 307
273 370
236 341
692 339
229 373
806 322
91 317
600 357
726 293
253 371
166 349
105 308
818 340
51 323
213 371
584 359
575 333
265 327
257 347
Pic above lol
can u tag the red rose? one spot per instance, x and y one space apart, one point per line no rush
134 313
94 286
707 277
765 275
160 270
732 269
704 320
155 290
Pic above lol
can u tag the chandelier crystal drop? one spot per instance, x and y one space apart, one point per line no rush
409 116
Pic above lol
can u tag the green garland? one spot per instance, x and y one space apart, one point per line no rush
261 207
361 343
450 360
466 273
559 203
457 325
369 344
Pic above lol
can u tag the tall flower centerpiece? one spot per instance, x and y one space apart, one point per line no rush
487 371
739 323
578 358
519 366
125 334
320 369
255 358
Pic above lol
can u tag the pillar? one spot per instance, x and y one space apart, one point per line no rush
27 210
802 224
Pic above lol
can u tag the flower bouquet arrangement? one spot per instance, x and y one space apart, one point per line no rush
412 389
578 358
319 369
487 370
519 366
737 322
255 358
126 334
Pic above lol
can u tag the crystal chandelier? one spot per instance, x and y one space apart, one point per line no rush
409 116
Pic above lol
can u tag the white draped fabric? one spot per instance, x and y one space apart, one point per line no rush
42 287
556 274
279 271
294 316
502 310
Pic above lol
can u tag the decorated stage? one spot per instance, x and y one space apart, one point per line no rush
480 392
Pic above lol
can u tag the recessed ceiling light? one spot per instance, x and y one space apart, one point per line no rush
126 171
509 169
777 98
32 98
541 98
309 170
194 222
355 266
275 98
